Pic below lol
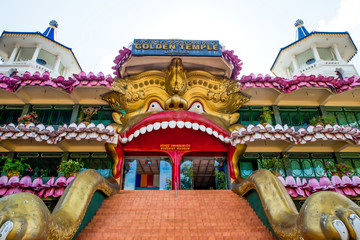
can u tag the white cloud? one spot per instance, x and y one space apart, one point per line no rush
106 63
347 19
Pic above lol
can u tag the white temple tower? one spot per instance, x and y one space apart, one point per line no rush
35 51
324 53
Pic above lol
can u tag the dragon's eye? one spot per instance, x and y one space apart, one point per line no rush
155 107
196 107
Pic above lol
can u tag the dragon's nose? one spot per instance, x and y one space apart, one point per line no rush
176 103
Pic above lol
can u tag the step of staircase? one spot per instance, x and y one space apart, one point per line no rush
193 214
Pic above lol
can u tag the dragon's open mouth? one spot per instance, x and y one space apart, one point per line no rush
175 119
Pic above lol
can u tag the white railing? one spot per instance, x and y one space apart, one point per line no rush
43 68
326 66
307 67
22 62
332 62
29 63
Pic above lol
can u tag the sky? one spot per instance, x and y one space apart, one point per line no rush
255 30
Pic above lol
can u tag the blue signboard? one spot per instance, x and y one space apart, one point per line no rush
176 47
165 175
186 175
130 176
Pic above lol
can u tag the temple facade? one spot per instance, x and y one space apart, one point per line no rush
178 115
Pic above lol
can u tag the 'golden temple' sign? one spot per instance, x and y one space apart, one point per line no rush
180 147
176 47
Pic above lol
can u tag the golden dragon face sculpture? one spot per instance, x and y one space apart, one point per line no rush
174 89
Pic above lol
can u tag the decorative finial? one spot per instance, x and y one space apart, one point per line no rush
301 31
53 23
299 23
50 31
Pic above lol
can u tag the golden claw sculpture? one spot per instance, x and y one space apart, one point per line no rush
324 215
25 216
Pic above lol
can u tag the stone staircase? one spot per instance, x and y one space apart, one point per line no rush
193 214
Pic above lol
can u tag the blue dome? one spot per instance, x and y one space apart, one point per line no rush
301 30
50 31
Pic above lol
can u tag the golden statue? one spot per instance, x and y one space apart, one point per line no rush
27 217
324 215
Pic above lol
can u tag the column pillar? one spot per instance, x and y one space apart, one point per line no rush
75 113
64 73
65 156
277 114
11 155
176 157
323 111
36 53
25 110
295 64
14 52
118 160
337 157
57 64
315 52
337 54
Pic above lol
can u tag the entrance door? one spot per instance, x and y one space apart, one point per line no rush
147 173
203 173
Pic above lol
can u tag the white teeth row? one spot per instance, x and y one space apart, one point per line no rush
174 124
